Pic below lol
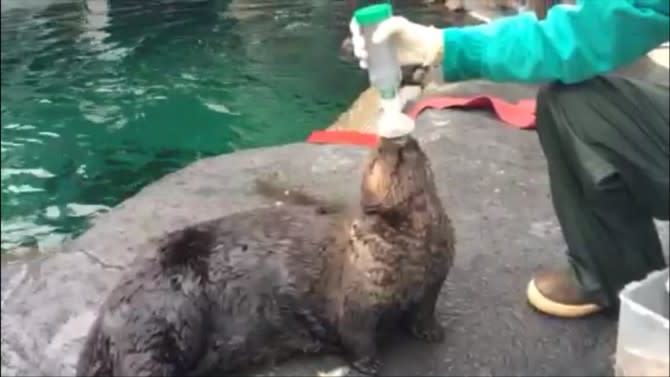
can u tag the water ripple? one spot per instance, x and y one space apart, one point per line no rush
100 98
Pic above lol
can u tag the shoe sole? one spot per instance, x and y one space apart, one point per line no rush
540 302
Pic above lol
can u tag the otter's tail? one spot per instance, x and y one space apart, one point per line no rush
186 247
282 193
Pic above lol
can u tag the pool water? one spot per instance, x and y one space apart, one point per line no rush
101 97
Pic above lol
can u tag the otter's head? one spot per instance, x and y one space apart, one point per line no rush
397 181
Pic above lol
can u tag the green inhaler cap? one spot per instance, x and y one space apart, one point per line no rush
373 14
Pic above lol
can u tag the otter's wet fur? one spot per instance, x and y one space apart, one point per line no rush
257 287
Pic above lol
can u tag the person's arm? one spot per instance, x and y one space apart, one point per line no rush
573 43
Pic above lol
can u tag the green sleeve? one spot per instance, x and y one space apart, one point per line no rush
573 43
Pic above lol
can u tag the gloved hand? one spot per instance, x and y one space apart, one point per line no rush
416 44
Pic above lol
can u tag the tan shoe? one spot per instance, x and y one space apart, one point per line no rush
558 294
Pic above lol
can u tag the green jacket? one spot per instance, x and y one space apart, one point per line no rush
573 43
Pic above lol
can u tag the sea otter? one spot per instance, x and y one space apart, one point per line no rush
257 287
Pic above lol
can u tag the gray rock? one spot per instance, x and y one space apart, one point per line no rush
492 180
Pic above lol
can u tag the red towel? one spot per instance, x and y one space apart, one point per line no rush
520 115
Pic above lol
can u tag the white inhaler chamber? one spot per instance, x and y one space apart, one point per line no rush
392 122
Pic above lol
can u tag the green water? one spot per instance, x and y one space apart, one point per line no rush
102 97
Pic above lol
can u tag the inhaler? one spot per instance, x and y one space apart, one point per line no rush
384 73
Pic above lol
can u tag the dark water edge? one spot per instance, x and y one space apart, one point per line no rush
101 97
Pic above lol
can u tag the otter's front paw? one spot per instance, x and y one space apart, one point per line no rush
367 366
429 331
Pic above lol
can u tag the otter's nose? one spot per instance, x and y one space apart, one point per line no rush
389 152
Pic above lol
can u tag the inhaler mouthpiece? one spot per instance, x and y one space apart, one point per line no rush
393 122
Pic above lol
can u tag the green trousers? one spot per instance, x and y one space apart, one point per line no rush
606 144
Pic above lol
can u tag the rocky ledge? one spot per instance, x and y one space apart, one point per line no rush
492 180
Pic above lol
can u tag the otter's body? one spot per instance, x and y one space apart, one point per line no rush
259 286
238 301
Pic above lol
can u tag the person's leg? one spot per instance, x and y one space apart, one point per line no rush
606 145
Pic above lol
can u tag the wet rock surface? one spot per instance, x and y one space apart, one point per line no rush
494 185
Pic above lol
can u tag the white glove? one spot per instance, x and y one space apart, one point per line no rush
415 44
